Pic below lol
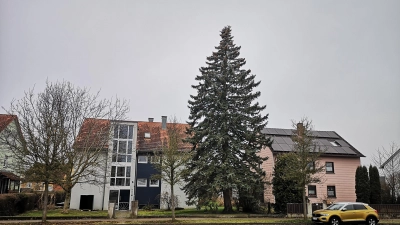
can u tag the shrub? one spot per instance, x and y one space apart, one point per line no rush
14 204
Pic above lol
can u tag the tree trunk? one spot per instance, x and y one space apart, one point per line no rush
67 200
227 193
45 201
173 202
304 203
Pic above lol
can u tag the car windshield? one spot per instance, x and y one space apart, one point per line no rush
335 206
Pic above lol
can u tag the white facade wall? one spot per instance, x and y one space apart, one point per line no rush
101 192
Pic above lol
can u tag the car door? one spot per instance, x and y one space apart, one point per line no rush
348 213
360 212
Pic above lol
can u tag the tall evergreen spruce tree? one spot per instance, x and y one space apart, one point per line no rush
362 184
225 129
375 185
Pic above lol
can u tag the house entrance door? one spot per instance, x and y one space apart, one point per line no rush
120 198
123 203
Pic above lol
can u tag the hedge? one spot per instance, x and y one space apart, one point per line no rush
14 204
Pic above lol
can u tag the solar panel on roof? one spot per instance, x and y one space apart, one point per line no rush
342 143
330 150
324 142
348 150
332 134
288 131
340 150
286 147
288 140
272 131
276 147
315 133
324 134
281 131
279 140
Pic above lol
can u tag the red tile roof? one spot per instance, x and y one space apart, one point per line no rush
94 133
5 120
158 136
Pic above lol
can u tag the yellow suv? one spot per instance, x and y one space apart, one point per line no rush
346 212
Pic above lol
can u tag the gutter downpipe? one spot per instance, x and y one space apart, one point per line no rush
105 180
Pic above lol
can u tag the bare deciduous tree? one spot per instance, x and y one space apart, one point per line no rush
50 122
173 156
388 161
305 168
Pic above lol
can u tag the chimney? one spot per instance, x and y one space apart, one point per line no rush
163 122
300 129
151 119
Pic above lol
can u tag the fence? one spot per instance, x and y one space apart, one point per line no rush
387 210
294 208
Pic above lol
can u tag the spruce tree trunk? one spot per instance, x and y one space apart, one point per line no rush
227 200
67 200
304 203
173 202
45 201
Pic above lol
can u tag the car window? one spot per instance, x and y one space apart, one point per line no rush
335 206
359 207
349 207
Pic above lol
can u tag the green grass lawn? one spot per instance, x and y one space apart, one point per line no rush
58 213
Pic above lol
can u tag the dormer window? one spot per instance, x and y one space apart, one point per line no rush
146 135
335 143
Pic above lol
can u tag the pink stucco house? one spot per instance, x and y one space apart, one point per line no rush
341 160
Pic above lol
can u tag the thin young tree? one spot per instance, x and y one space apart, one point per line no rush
174 155
306 168
225 126
50 123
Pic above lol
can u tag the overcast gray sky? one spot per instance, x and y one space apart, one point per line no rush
336 62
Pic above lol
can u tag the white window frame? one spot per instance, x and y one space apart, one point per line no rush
139 161
141 185
332 167
154 185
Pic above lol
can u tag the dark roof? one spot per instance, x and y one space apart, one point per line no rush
9 175
158 136
332 143
94 133
5 120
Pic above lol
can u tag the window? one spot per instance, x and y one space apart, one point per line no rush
312 191
331 191
120 176
121 172
329 167
359 207
154 183
142 182
123 131
155 159
122 151
311 165
335 143
146 135
142 159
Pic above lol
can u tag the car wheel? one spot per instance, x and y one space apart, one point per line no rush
334 221
371 221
